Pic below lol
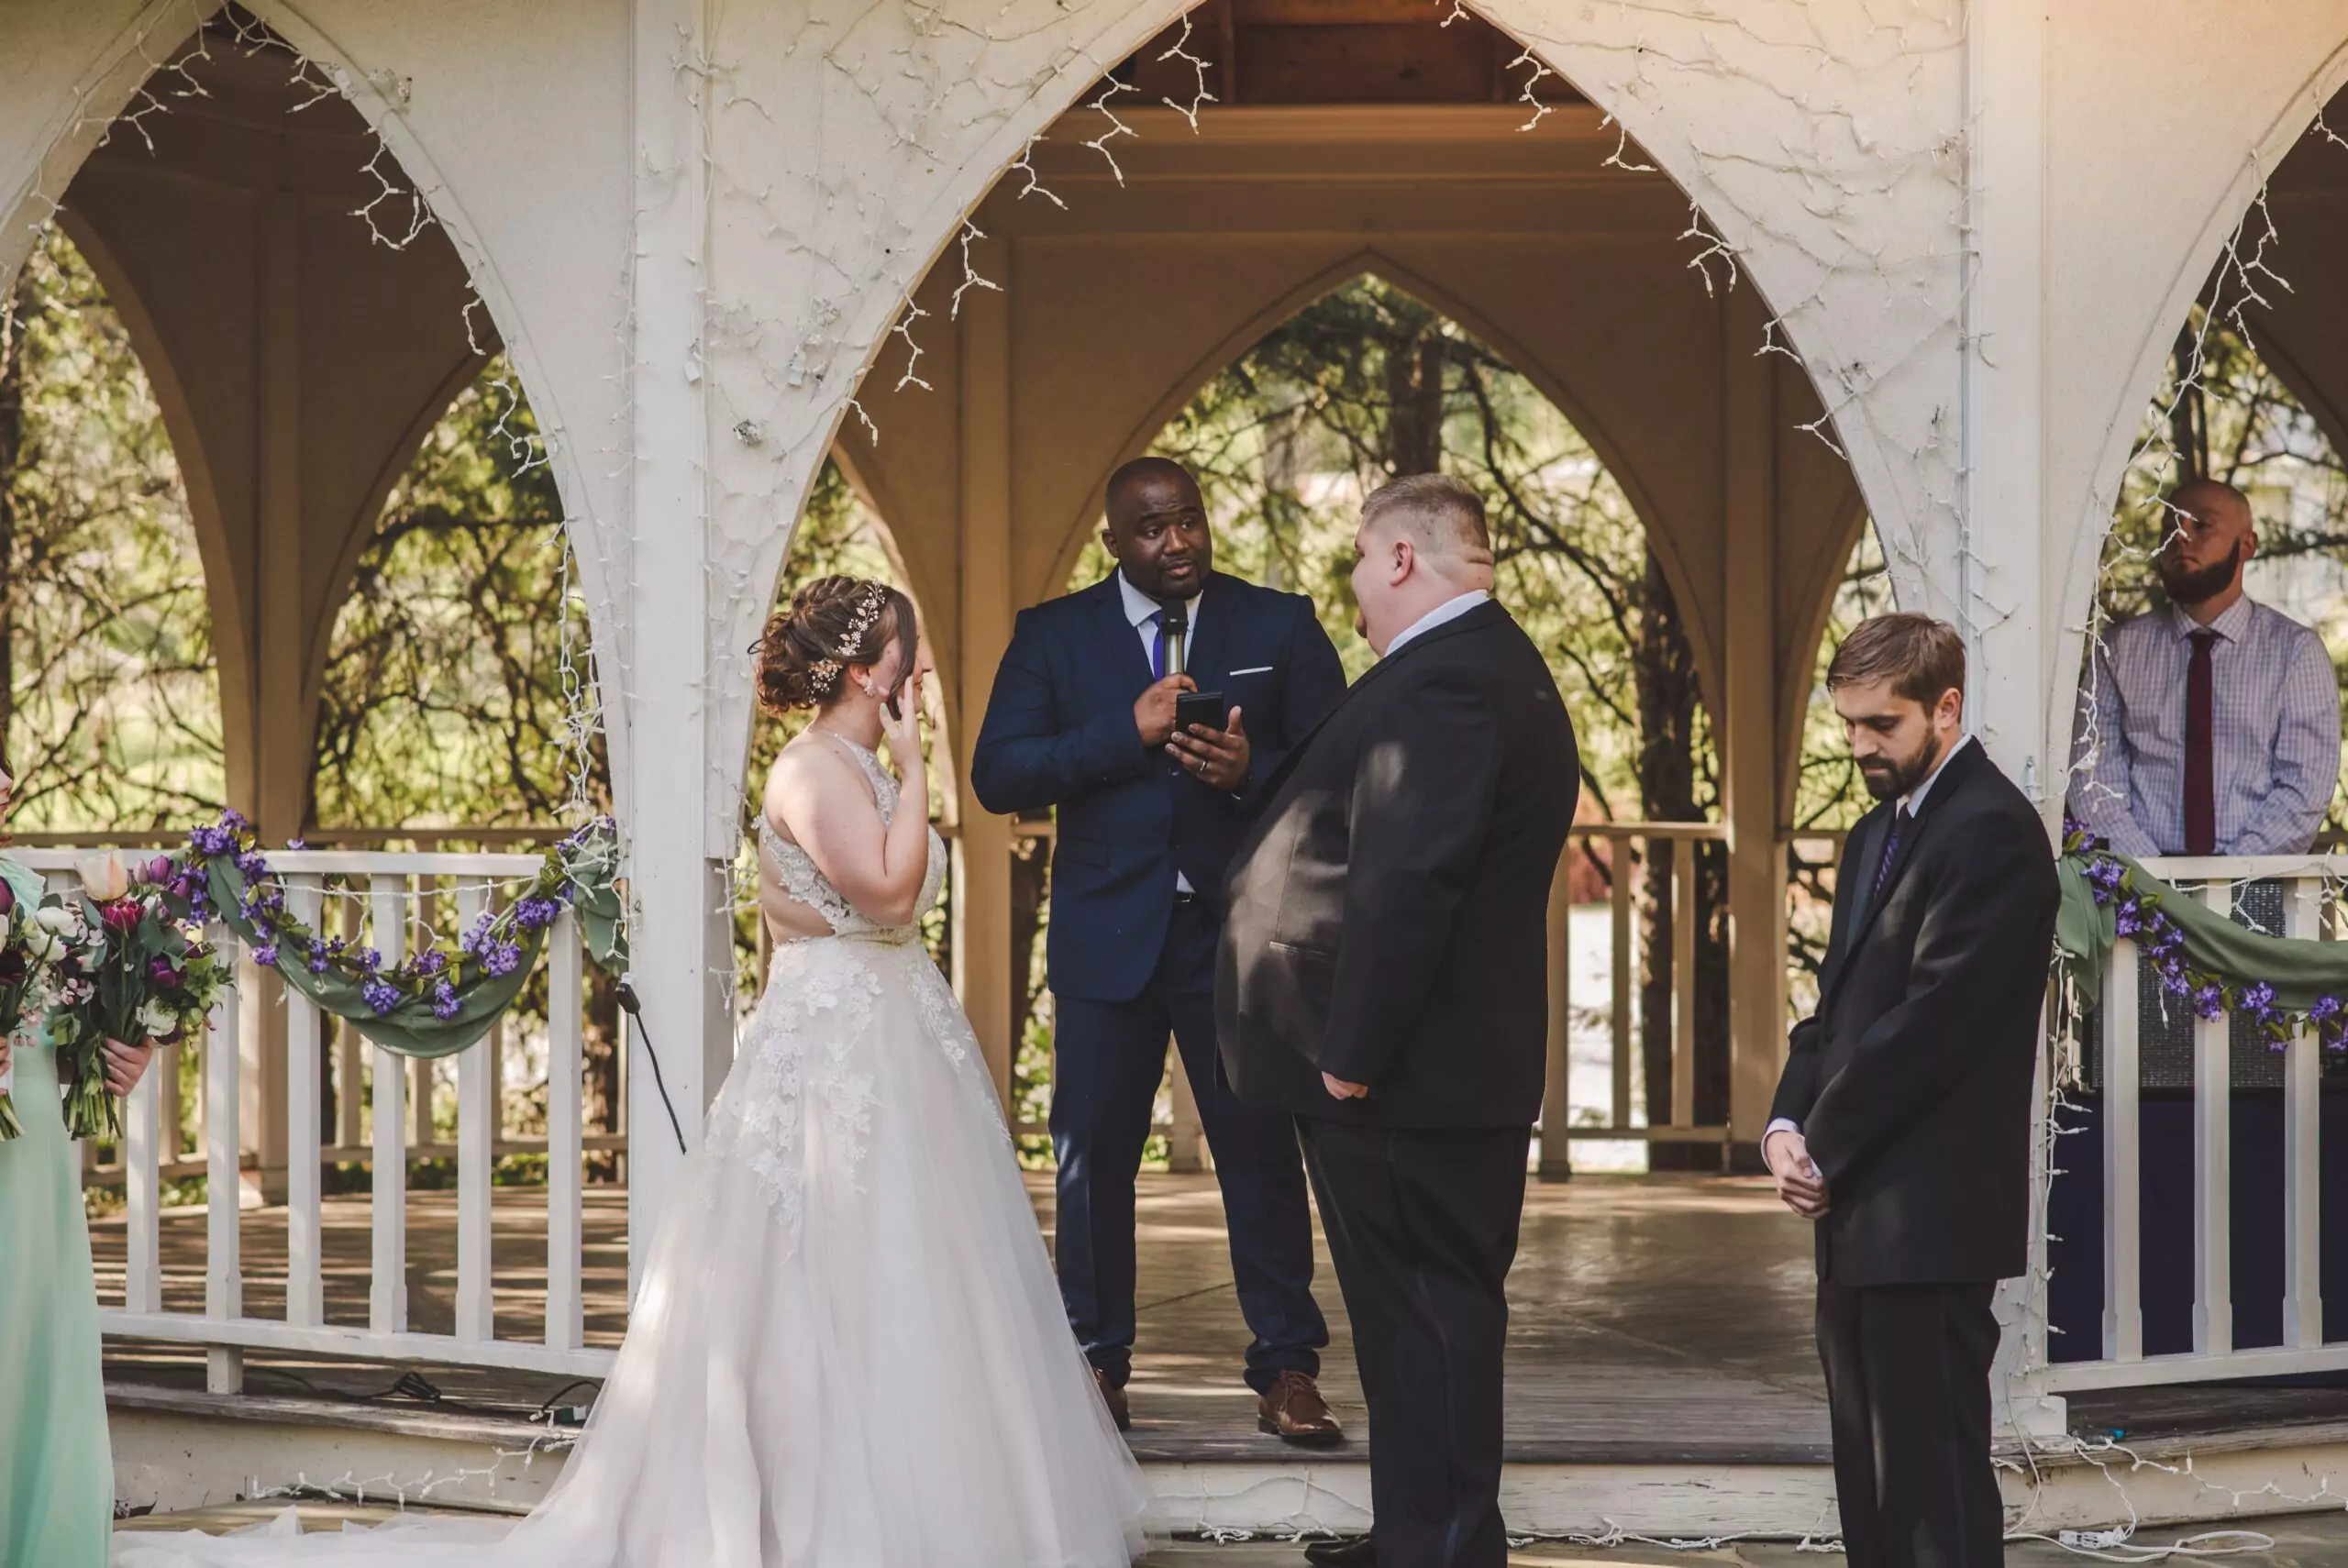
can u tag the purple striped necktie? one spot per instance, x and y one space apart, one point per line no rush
1157 653
1899 822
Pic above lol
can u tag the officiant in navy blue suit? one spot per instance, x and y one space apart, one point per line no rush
1082 719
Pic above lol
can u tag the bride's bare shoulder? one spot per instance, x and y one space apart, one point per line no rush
813 771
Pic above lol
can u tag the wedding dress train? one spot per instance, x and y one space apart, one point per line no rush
849 1350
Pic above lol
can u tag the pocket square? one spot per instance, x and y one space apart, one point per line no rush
1254 669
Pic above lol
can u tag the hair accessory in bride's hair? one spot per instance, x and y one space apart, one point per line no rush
823 676
874 599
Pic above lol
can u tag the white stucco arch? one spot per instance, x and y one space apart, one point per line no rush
791 341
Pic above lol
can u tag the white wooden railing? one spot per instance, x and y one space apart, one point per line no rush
398 894
2122 1362
1627 850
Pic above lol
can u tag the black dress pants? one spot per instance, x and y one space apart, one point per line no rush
1908 1394
1422 1225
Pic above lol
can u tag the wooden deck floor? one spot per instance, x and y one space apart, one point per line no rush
1661 1319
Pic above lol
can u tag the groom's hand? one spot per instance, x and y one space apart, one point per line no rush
1340 1090
1800 1181
1217 759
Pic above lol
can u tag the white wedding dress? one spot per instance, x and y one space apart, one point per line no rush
848 1351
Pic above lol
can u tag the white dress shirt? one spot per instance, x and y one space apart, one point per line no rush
1913 803
1449 610
2274 742
1142 612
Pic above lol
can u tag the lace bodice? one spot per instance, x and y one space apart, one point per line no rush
804 881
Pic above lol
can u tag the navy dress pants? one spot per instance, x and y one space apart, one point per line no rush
1108 1060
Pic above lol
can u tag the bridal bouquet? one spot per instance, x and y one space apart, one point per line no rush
142 973
32 940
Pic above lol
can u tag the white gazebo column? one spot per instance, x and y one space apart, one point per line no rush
281 649
677 842
983 850
2005 590
1757 858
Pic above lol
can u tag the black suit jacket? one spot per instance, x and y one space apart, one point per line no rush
1912 1080
1388 906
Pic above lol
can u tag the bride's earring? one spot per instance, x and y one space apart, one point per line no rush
869 688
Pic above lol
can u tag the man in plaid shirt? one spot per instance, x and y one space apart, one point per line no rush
2210 725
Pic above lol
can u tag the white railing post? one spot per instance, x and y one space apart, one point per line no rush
2124 1316
476 1133
2213 1321
350 1049
142 1281
566 1028
1556 1102
387 1294
2302 1148
1683 984
305 1286
223 1280
1619 863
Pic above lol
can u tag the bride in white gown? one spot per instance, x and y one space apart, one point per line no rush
848 1351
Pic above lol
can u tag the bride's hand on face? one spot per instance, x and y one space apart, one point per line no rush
904 729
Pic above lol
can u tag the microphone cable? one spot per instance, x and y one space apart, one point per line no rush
635 1010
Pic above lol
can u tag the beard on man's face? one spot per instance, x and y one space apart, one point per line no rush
2185 586
1888 780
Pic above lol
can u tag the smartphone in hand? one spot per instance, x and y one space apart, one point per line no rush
1206 708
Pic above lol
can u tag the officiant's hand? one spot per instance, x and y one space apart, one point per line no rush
1218 758
126 1065
1800 1181
1340 1090
1154 709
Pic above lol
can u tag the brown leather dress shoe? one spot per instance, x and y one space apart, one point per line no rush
1293 1411
1358 1552
1121 1409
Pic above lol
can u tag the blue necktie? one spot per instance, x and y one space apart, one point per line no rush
1891 847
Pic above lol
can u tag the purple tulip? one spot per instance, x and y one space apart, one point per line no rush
159 868
7 898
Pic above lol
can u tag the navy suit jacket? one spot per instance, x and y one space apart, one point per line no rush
1059 732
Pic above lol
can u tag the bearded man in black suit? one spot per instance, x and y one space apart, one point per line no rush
1384 978
1902 1123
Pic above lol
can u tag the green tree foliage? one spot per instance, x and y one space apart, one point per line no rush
456 692
109 700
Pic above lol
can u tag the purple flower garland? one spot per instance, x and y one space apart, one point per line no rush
434 974
2136 914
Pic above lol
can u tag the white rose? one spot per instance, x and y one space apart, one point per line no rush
158 1020
104 876
59 919
45 946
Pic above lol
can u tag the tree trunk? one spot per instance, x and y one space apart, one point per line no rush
15 314
2189 419
1414 394
601 1048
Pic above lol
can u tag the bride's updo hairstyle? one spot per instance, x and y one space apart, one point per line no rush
832 622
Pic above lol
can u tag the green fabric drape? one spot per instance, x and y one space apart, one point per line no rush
411 1027
2301 972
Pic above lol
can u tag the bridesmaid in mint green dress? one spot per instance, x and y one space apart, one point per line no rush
56 1470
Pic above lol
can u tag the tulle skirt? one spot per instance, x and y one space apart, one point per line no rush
849 1350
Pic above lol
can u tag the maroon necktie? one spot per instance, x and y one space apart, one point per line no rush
2200 754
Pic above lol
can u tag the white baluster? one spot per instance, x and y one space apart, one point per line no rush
566 1021
2124 1317
349 1058
224 1279
305 1289
1683 986
2302 1148
142 1288
2213 1307
387 1296
1618 856
476 1131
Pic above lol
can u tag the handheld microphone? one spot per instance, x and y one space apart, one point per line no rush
1178 635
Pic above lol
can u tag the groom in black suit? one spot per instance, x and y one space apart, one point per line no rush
1902 1123
1383 977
